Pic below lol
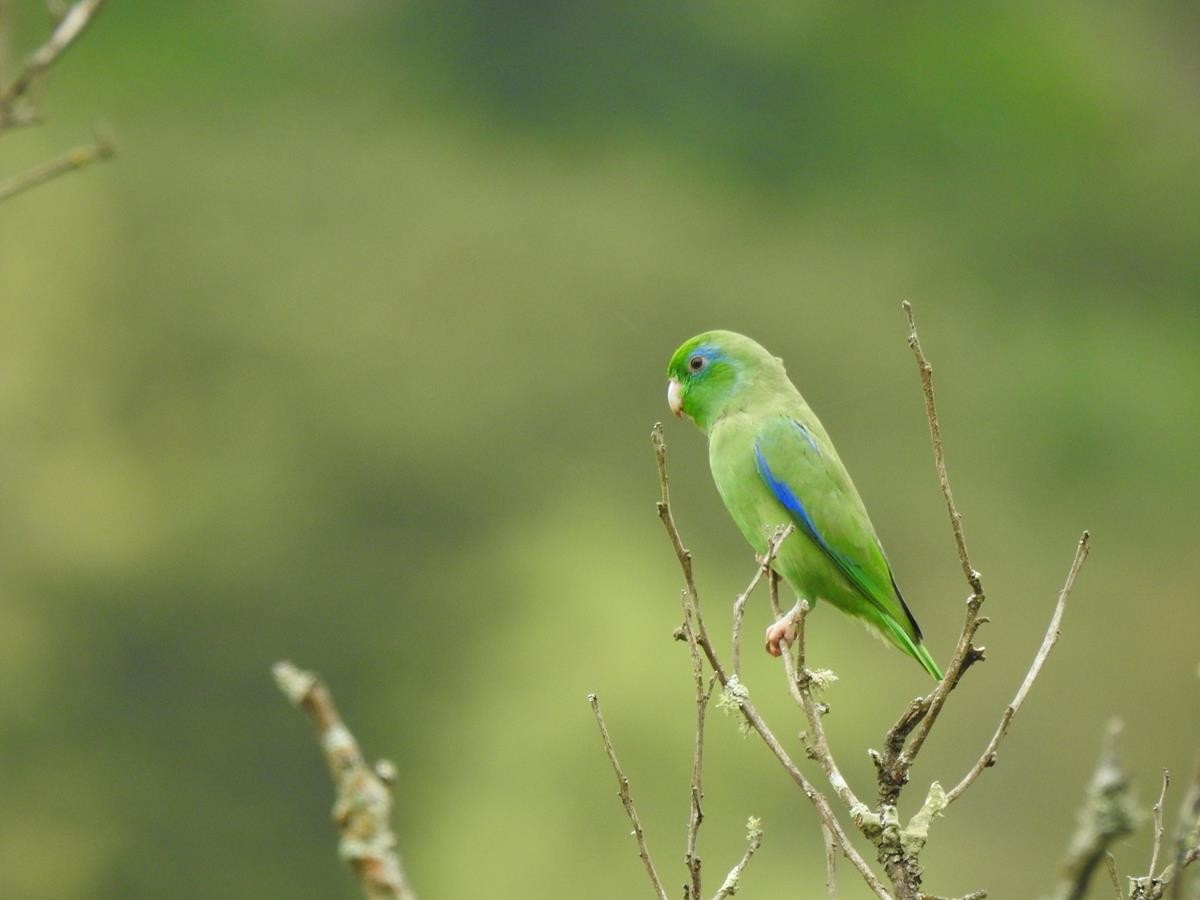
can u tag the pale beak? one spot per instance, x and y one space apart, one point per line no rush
675 397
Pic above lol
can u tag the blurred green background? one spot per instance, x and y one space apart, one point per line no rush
352 355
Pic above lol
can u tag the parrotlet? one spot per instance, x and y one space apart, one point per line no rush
773 464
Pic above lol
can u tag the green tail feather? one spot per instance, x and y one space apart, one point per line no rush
915 649
926 660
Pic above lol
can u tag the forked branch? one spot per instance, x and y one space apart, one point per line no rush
905 738
939 456
1169 881
1053 631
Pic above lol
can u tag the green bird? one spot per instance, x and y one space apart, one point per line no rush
773 464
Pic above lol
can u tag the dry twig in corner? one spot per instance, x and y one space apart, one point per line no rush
1108 814
1053 630
15 108
1155 886
363 808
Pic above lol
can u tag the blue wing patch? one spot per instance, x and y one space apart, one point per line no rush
787 497
792 504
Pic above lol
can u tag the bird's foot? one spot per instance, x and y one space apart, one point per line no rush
780 634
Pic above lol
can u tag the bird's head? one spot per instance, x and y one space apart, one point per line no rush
716 373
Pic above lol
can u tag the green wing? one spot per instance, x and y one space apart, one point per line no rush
805 476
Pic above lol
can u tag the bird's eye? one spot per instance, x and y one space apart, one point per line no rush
696 363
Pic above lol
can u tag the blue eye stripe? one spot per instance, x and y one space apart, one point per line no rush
708 352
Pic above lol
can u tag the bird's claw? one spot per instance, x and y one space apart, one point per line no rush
779 635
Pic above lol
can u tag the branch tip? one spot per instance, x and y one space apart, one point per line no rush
363 805
295 683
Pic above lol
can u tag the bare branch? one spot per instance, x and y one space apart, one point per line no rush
1053 631
830 864
99 149
683 554
1158 824
800 686
696 815
1108 814
754 836
1187 841
363 807
733 687
68 30
896 759
939 458
1110 863
793 668
739 604
627 799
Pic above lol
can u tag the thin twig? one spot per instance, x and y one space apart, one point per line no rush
627 799
1187 849
66 32
1187 837
754 836
795 672
818 800
939 457
692 891
663 505
800 686
965 652
773 592
830 864
363 808
99 149
1110 863
1053 631
696 814
796 618
899 749
739 604
739 694
1158 824
793 667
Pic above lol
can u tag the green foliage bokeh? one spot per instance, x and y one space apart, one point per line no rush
351 357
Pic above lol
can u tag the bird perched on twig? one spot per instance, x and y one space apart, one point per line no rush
773 464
